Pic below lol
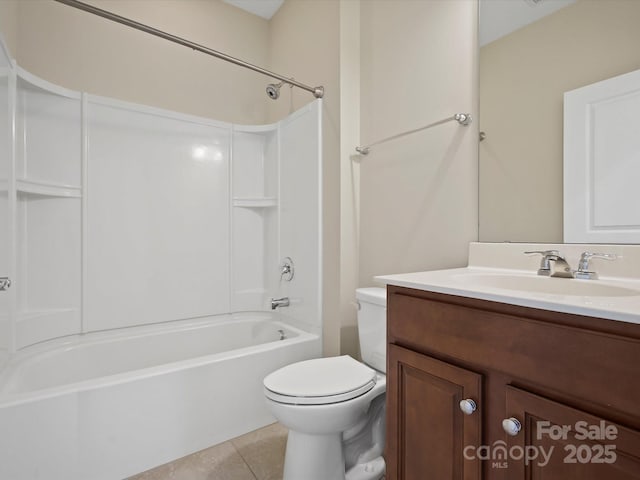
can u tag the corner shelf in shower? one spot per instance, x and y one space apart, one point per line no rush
47 189
255 202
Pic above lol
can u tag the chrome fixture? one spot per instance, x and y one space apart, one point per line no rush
559 267
317 92
282 334
462 118
552 264
286 269
545 267
279 302
5 282
273 89
583 271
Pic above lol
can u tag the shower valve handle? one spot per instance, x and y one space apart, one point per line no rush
286 269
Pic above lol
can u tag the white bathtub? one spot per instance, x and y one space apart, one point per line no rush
108 405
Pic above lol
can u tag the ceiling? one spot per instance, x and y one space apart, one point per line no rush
263 8
497 17
501 17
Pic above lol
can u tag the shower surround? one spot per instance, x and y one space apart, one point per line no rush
131 235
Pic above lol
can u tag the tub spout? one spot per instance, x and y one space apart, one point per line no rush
279 302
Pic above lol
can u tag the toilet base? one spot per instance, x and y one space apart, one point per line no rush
371 470
314 457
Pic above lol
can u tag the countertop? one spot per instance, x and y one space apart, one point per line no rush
476 281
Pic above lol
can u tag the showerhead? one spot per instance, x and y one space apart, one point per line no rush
273 90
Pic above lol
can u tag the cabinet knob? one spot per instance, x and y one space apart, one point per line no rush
468 406
511 426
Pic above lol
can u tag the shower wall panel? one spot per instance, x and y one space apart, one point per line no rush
158 216
301 213
6 74
114 214
46 280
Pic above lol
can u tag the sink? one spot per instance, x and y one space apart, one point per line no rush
546 285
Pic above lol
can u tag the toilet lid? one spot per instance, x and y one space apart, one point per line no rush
320 381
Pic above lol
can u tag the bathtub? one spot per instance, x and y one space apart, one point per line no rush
108 405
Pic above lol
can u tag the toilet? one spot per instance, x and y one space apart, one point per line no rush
334 407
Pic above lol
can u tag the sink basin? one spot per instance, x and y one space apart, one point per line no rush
546 285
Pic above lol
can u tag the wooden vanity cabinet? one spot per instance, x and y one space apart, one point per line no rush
550 371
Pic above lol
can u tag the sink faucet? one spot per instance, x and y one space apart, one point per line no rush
552 264
279 302
559 267
583 271
545 266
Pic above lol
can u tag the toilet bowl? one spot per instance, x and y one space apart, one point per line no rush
334 407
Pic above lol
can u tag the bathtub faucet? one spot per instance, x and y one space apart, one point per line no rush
279 302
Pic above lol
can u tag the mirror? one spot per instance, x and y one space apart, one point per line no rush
523 75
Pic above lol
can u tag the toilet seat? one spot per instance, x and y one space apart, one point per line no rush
320 381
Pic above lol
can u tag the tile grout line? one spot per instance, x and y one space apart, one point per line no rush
243 459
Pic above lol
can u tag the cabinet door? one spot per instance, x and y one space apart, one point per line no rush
426 430
561 443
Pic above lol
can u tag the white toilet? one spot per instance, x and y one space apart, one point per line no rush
334 407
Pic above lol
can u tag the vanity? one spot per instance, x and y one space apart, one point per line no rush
495 372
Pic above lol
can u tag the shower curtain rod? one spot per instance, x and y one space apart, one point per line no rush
317 92
461 118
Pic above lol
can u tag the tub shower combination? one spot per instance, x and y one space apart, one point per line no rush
147 246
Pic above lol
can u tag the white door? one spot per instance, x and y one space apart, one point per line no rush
602 162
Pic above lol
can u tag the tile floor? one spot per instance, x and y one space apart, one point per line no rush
258 455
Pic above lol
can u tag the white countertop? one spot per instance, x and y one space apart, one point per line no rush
477 281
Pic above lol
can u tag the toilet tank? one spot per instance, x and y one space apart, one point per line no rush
372 326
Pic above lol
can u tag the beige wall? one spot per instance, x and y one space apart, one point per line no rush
305 40
349 173
419 193
9 23
83 52
522 80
